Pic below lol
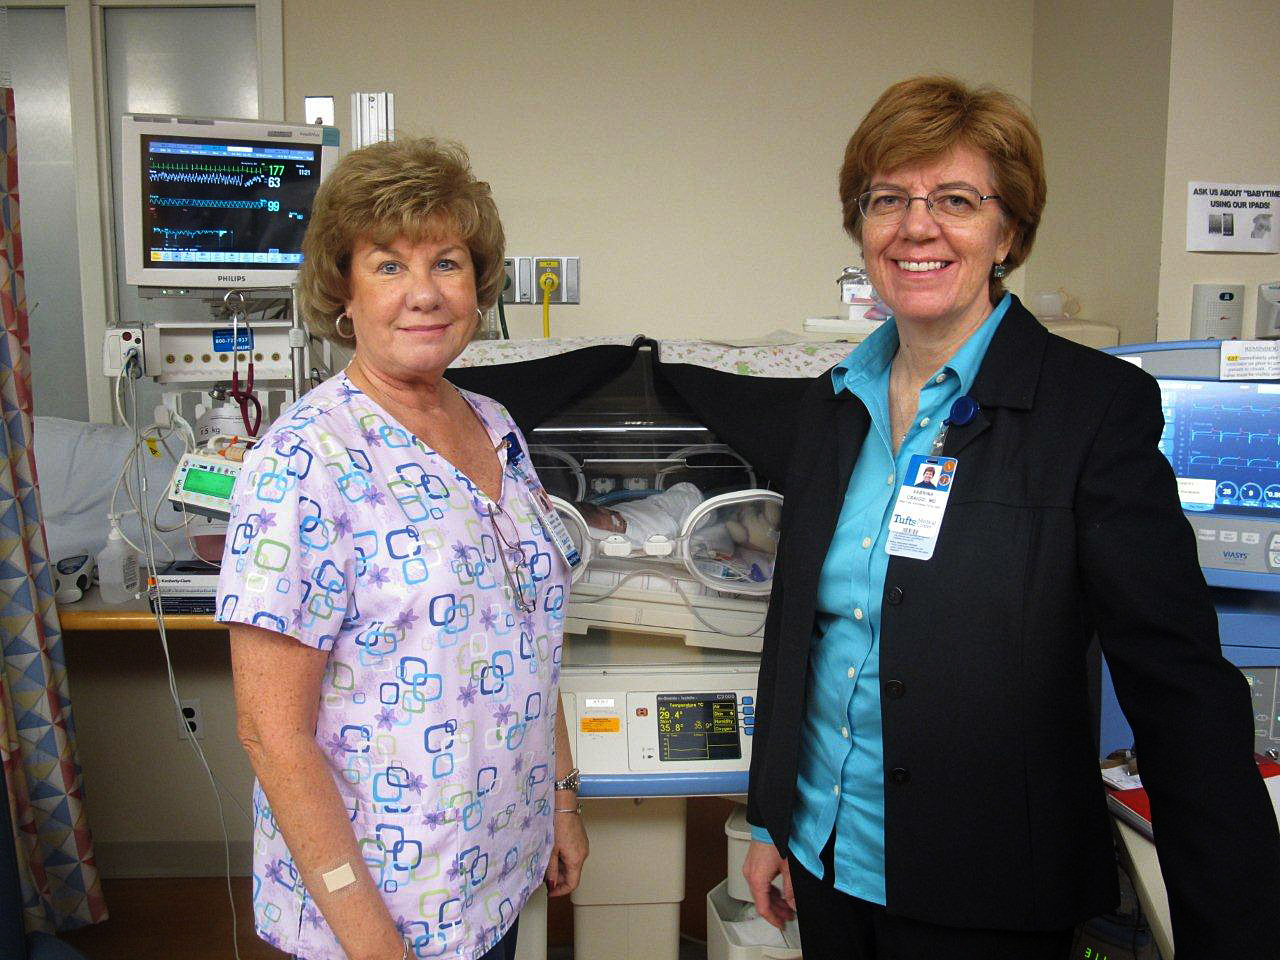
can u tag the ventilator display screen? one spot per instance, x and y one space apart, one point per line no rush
1223 440
698 726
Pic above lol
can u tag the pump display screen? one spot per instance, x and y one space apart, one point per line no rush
208 483
1223 440
698 726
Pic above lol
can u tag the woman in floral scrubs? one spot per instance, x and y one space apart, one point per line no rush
396 603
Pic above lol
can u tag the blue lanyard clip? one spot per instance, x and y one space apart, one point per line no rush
515 453
963 411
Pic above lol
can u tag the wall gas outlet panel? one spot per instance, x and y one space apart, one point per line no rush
520 277
567 272
203 352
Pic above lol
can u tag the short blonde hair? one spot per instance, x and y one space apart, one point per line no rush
921 119
411 189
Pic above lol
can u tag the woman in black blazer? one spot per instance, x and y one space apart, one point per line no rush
924 774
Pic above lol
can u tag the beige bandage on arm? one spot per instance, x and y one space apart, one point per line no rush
339 878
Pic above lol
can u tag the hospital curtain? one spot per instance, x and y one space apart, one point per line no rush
60 887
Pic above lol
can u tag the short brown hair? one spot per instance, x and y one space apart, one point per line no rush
413 189
921 119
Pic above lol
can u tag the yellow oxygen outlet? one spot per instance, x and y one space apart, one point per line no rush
549 283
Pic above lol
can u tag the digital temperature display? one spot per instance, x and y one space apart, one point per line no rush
698 726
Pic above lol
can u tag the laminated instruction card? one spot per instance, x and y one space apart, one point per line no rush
917 514
1249 360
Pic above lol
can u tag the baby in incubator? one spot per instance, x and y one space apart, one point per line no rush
744 535
658 515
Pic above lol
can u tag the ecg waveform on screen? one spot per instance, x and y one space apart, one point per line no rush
216 179
217 203
244 175
245 166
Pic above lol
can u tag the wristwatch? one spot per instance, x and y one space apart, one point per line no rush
570 781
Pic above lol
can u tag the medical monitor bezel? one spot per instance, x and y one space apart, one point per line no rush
133 129
1200 361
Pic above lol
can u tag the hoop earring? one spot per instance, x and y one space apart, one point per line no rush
998 271
480 314
337 325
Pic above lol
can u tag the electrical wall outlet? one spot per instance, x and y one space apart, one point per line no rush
116 345
565 270
191 720
519 288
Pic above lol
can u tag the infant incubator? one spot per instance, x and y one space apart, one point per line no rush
662 459
675 530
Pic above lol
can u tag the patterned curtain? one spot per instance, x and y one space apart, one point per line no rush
37 736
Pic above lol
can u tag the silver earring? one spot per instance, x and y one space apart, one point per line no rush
480 314
998 271
337 325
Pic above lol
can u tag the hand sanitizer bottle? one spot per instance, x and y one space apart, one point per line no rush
117 568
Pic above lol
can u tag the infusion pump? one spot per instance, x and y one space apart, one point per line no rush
652 718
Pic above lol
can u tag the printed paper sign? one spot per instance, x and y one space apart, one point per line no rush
1233 218
1249 360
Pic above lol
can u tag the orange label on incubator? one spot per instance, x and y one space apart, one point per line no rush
600 724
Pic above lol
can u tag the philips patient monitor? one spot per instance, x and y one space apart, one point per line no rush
217 204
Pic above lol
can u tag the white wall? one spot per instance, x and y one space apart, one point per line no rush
1224 125
148 802
1100 95
687 152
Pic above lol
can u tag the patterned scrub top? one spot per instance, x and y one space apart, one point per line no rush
437 711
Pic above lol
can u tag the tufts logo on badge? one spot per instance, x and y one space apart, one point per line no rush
917 514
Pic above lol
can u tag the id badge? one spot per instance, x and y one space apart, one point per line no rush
542 505
922 501
551 522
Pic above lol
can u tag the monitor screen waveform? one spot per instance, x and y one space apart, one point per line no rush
234 203
1223 440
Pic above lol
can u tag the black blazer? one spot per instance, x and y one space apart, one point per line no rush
1063 521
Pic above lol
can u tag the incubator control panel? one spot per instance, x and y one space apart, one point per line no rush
694 714
648 731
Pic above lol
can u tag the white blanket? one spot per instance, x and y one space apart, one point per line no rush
77 465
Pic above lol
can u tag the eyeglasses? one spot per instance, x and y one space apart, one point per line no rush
947 204
519 576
